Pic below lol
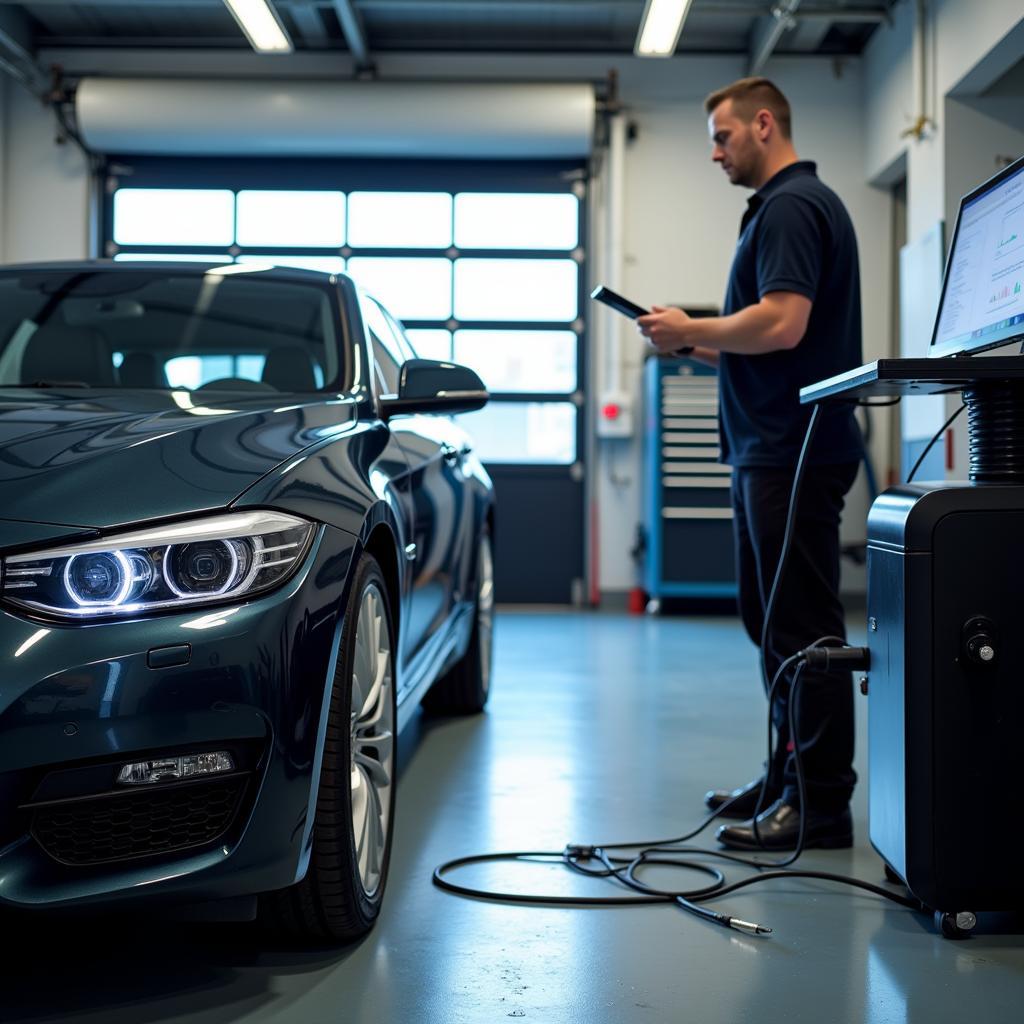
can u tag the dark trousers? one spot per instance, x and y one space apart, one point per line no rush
806 608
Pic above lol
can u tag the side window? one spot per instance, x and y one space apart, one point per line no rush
388 350
388 370
400 337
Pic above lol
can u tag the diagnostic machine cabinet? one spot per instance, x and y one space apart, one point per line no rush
945 700
946 592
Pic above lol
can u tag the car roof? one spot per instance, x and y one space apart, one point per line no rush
183 267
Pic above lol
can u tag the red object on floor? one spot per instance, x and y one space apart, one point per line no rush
637 601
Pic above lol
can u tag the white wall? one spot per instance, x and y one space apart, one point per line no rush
968 46
960 36
45 186
975 146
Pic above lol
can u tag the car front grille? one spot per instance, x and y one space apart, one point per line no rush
140 824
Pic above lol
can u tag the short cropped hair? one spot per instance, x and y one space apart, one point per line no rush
749 95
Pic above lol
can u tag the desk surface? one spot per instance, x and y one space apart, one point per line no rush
897 378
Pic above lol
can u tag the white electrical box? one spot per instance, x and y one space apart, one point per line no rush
615 416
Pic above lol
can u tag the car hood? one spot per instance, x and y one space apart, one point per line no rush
105 459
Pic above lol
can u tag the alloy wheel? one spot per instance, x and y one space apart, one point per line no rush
372 737
485 610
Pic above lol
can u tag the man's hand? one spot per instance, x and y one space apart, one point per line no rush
779 321
667 329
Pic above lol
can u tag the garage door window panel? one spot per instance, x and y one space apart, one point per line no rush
400 220
530 433
520 361
525 290
509 220
412 288
283 218
431 343
155 217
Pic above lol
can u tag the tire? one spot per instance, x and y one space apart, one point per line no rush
340 897
465 687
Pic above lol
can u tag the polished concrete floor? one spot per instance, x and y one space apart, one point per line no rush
601 727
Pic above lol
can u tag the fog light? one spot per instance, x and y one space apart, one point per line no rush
166 769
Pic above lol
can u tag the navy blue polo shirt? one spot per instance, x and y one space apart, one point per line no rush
796 236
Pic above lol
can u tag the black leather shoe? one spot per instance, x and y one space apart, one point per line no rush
779 826
744 799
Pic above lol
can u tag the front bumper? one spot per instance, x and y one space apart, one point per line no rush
77 701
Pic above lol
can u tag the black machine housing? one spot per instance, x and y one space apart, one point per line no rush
945 687
946 693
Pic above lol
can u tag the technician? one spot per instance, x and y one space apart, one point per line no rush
791 317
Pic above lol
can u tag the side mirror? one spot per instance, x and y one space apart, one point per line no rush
427 386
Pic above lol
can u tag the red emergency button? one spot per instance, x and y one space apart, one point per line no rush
611 411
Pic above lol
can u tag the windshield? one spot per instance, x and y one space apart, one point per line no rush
162 329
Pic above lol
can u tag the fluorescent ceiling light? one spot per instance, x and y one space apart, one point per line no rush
261 26
659 30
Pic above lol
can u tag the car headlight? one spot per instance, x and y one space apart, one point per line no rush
218 558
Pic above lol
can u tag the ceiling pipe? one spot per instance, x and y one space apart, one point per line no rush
922 122
843 15
767 33
16 58
309 24
355 33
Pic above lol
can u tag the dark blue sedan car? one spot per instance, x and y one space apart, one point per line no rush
240 541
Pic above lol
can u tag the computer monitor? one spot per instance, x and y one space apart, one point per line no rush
982 303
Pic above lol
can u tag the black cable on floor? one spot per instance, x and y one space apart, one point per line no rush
665 852
603 862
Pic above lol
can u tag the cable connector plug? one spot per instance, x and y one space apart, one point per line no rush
852 659
749 927
576 851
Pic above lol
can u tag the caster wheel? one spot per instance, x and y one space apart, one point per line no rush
891 876
955 926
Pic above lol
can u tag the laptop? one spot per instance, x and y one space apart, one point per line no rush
981 305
